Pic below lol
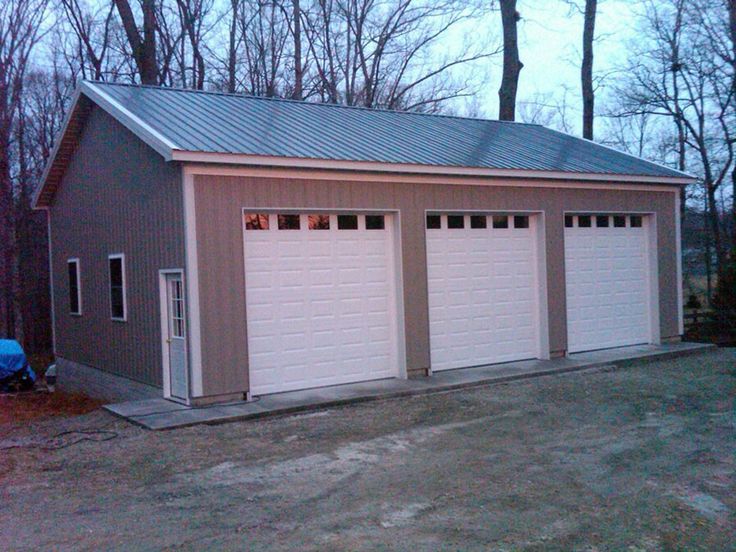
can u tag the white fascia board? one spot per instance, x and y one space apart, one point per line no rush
406 168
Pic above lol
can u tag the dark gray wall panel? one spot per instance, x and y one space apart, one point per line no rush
117 196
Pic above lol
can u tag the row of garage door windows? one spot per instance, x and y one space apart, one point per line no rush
262 221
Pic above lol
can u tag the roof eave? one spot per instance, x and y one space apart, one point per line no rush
406 168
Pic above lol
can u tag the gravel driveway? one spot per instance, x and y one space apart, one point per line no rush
641 458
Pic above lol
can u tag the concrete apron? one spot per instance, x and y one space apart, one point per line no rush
160 414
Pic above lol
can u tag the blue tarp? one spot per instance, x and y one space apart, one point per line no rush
13 360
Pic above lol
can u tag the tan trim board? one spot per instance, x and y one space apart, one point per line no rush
678 252
371 166
316 174
192 289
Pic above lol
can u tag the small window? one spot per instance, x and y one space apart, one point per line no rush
117 287
75 289
635 221
434 222
455 221
319 222
478 221
584 221
500 221
347 222
375 222
288 222
521 221
601 221
569 221
619 221
256 221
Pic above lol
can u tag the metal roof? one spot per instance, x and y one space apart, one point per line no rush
173 121
229 123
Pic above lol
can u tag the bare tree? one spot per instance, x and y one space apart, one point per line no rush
586 69
20 29
512 65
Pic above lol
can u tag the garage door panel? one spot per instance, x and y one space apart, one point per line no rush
607 282
320 305
482 285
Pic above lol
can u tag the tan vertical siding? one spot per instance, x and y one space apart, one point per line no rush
219 200
117 196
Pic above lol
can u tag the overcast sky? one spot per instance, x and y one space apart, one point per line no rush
550 36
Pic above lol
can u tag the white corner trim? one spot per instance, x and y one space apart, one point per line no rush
132 122
678 252
120 256
192 287
539 221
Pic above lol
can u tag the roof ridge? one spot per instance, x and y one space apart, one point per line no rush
308 103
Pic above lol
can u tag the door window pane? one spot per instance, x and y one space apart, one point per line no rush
500 221
75 304
568 221
347 222
521 221
288 222
635 221
117 288
256 221
319 222
601 221
374 222
584 221
619 221
478 221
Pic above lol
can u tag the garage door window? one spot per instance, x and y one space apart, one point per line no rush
500 221
455 221
288 222
347 222
434 222
635 221
256 221
601 221
374 222
584 221
619 221
521 221
478 221
319 222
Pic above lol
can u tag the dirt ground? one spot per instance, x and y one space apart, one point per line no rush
640 458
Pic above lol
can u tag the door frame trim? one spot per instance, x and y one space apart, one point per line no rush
164 316
397 268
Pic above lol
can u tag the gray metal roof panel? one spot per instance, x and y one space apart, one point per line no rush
229 123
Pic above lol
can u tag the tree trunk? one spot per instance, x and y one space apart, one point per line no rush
732 33
586 71
143 48
511 63
298 69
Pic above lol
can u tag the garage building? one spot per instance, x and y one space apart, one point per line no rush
212 247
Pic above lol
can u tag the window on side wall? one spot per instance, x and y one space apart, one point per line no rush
75 287
118 307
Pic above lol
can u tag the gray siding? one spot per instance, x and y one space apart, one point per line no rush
219 200
117 196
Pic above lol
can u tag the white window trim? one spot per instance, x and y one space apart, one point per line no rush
78 266
120 256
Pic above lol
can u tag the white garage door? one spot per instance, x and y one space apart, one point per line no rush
321 300
608 281
483 289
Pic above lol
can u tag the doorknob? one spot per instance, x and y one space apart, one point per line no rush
168 341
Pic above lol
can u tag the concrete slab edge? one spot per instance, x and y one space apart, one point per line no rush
429 389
